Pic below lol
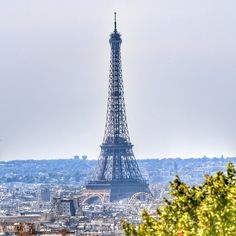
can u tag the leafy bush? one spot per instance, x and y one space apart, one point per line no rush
205 210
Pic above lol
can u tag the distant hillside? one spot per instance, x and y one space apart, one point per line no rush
76 171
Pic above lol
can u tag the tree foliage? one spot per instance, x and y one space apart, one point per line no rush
205 210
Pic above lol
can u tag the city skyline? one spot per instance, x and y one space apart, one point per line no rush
178 72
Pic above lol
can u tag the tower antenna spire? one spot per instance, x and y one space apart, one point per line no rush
115 21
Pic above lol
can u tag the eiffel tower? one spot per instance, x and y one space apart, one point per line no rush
117 169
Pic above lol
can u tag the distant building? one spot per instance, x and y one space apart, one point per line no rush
76 157
63 206
45 194
84 157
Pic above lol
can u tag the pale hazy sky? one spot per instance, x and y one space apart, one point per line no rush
179 70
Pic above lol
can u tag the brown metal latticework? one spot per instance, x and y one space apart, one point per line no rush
117 168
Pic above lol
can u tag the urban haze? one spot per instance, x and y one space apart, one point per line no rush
178 68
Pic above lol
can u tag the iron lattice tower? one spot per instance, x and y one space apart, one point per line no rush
117 168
